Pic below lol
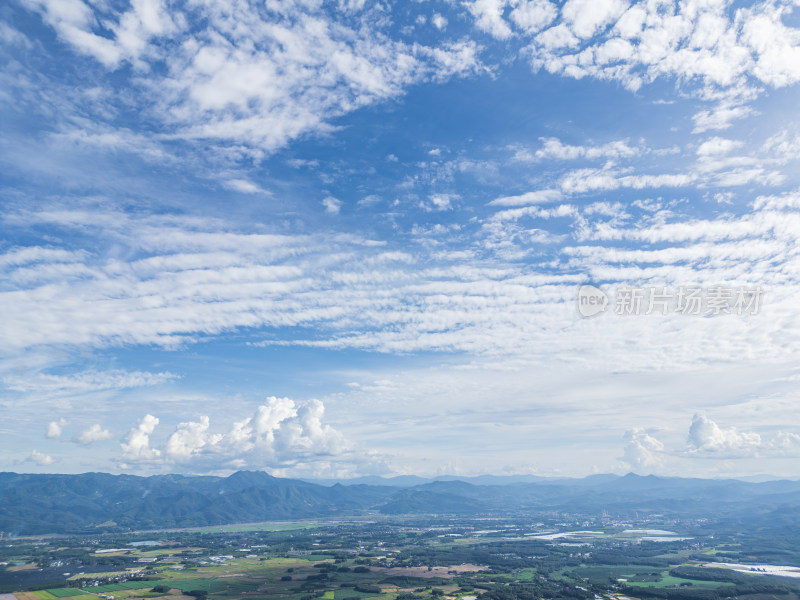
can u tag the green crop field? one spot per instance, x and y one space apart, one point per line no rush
350 594
210 585
66 592
668 580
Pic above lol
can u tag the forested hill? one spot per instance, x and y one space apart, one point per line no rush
34 504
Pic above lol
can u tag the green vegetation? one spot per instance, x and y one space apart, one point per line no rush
413 558
65 592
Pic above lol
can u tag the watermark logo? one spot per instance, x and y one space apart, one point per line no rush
591 301
684 300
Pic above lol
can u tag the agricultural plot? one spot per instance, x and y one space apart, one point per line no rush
349 594
604 574
116 587
210 585
28 596
66 592
641 576
667 580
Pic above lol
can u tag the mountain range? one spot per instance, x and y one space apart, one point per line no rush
39 504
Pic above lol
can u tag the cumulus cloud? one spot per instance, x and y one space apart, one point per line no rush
706 436
332 205
586 17
785 442
488 16
642 451
717 146
190 438
40 458
532 16
438 202
55 428
439 22
92 434
280 434
136 444
721 54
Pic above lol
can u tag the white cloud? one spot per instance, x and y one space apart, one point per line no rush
92 434
136 445
87 381
553 148
784 145
785 442
40 458
489 17
642 452
439 22
268 419
252 77
532 16
370 200
55 428
586 17
720 117
11 36
266 97
189 278
705 436
529 16
107 139
280 434
76 22
33 254
708 439
789 200
439 202
776 46
556 38
73 20
580 181
190 438
712 51
717 146
537 197
244 186
332 205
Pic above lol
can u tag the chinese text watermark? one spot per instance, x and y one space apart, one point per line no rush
685 300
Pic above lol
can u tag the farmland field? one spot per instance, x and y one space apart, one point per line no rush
65 592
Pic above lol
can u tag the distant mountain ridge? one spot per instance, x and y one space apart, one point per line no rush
412 480
38 504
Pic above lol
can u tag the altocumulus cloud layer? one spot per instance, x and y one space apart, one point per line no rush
385 212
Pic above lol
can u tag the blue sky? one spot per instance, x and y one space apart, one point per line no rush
344 238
